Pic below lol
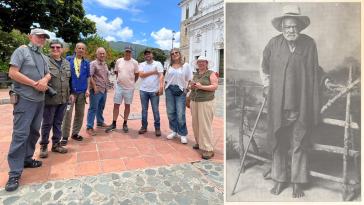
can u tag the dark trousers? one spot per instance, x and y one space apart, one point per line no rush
27 120
286 138
52 118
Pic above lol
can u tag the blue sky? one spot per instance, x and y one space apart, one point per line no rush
137 21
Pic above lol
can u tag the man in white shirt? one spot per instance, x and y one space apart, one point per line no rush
151 87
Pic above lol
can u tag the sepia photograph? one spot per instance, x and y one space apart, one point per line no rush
293 107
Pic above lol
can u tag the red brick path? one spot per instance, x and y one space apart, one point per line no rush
108 152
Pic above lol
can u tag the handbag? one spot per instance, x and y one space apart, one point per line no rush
188 101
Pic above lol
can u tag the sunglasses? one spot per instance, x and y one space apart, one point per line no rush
174 53
56 47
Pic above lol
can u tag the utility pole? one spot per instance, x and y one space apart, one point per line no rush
173 38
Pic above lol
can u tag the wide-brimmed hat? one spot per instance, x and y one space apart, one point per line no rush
209 65
291 11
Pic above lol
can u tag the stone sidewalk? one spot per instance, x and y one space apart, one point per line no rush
175 184
106 153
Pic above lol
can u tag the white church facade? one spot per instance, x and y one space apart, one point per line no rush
202 31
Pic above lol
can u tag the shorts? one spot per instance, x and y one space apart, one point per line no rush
121 93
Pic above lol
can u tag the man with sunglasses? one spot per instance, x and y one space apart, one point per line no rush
126 70
151 87
55 107
30 72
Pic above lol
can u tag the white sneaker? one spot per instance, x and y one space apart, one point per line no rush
183 139
172 135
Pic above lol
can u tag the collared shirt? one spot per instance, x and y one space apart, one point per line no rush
100 74
150 83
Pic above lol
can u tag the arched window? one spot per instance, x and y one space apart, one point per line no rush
187 11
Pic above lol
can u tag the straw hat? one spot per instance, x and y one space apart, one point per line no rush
291 11
209 65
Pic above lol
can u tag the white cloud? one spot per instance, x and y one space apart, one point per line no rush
142 42
141 20
142 33
128 5
163 38
111 28
110 38
125 33
104 28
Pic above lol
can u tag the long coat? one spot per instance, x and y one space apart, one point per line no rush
295 84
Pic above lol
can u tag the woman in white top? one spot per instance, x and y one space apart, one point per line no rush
178 75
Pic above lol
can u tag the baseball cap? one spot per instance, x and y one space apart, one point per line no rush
147 50
39 31
128 48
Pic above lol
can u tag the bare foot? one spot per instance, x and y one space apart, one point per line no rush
297 191
278 188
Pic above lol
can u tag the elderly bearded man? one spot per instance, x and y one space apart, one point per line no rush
294 80
29 69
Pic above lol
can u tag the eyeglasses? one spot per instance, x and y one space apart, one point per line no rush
174 53
56 47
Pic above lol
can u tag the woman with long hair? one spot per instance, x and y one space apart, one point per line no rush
203 84
177 74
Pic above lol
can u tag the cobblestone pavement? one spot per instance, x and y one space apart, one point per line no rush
176 184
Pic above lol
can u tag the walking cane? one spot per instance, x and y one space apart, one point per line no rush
250 139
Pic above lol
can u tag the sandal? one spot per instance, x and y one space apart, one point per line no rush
77 137
33 164
64 141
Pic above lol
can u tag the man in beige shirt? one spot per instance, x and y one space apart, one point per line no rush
127 73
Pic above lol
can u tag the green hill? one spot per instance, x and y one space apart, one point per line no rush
120 45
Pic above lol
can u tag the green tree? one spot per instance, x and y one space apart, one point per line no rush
64 17
158 55
11 41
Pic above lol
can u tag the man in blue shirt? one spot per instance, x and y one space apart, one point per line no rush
80 72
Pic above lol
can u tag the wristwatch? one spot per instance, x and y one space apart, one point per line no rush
188 90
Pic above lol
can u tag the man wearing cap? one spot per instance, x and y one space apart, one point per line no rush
294 80
126 70
151 87
29 69
80 75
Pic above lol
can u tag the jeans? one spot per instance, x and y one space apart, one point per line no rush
176 111
154 100
52 118
27 119
97 106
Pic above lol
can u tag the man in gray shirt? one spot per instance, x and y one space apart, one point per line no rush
30 72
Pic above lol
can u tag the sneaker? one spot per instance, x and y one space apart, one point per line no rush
207 154
91 131
142 130
172 135
102 125
158 132
43 151
196 146
12 184
111 128
183 139
58 148
125 128
33 164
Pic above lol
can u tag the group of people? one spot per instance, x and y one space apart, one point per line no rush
74 79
